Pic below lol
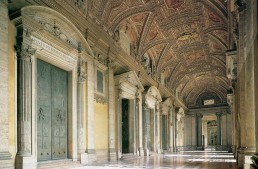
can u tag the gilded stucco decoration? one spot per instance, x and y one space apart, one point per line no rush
185 40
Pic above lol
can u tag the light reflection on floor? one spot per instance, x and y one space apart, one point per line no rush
183 160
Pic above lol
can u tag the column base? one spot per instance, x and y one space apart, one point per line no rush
119 155
22 162
241 157
87 158
233 149
159 151
6 161
146 152
112 155
248 162
171 149
141 152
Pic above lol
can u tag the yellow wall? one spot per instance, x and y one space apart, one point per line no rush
101 126
11 88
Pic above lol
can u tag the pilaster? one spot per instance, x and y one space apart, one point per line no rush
119 122
171 132
25 56
140 122
81 145
146 130
157 128
219 114
199 131
111 116
90 155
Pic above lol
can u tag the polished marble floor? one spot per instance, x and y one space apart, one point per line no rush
182 160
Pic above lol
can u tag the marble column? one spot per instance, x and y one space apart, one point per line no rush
175 129
219 114
5 156
241 89
170 128
119 123
205 133
24 113
249 125
139 116
111 116
256 84
193 132
157 128
91 157
199 131
145 130
81 146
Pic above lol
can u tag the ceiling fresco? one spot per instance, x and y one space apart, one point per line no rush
185 39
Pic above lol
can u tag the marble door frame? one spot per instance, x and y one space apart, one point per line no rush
54 44
128 86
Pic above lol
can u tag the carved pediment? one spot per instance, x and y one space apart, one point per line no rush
152 97
128 84
166 105
56 25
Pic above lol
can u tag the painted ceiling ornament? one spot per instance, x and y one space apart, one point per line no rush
174 4
213 17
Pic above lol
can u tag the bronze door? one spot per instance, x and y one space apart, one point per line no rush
52 112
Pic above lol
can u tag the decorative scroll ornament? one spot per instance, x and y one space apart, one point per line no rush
25 52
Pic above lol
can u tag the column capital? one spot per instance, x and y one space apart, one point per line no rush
145 106
199 115
219 114
25 52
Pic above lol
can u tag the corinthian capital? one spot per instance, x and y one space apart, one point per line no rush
25 52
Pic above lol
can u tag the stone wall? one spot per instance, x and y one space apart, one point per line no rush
5 156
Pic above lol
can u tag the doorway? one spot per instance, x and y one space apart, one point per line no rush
212 132
52 91
125 126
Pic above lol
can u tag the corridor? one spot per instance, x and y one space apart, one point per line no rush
182 160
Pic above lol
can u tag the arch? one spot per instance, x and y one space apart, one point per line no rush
152 97
126 14
166 105
153 91
45 15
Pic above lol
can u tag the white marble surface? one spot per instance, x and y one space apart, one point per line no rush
186 160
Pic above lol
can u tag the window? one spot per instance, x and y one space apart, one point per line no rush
100 82
208 102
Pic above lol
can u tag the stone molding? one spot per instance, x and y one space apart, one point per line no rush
128 84
152 97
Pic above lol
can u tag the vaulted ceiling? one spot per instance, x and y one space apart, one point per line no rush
186 39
